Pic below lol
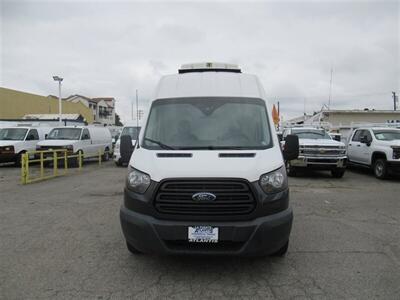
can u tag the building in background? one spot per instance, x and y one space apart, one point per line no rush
102 108
343 121
14 105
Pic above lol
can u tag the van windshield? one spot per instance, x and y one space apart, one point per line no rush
132 131
12 134
208 123
64 134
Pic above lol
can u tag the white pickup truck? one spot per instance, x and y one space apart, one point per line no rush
377 148
317 151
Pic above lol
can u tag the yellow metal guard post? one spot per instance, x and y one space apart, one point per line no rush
55 164
41 165
99 157
24 171
65 162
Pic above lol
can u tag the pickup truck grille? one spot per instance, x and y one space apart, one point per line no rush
322 151
233 197
396 152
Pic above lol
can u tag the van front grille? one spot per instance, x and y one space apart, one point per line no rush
232 197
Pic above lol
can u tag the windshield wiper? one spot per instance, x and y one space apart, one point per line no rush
162 145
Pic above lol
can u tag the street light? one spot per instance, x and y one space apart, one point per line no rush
59 79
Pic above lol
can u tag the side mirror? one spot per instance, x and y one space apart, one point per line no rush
126 148
291 149
45 136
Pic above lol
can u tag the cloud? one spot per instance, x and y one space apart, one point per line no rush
114 48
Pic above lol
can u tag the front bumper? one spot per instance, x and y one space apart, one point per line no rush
320 162
260 236
7 157
394 166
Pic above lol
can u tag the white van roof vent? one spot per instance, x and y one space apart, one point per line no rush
209 67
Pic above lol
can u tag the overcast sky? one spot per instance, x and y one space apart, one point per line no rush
112 48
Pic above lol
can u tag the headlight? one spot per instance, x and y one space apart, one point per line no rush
137 181
69 147
274 181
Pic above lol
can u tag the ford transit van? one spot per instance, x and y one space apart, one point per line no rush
207 175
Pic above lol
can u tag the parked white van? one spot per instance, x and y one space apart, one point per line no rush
129 129
207 175
86 140
14 141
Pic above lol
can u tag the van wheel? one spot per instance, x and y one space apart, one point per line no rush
18 158
337 173
282 251
74 161
106 155
290 170
380 168
132 249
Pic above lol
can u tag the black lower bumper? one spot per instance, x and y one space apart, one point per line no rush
7 157
261 236
394 166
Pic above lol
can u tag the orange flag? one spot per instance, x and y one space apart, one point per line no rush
275 115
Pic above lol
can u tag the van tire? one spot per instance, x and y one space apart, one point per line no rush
18 158
106 155
132 249
282 251
337 173
290 170
380 168
74 161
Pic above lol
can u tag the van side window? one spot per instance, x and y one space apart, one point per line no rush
32 135
357 136
85 134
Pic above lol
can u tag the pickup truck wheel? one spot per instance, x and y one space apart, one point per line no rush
132 249
380 168
290 170
337 173
282 251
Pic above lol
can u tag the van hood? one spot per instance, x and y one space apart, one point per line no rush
56 142
206 164
322 142
9 143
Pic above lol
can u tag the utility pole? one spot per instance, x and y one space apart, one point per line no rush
137 113
394 101
59 79
330 90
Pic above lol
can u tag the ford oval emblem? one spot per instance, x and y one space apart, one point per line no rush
204 197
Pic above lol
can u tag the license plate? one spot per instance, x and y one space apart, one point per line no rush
203 234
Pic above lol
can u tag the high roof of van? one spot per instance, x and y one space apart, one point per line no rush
209 84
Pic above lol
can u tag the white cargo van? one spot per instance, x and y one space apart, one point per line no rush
129 129
86 140
14 141
207 175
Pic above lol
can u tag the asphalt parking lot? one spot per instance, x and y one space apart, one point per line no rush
61 239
